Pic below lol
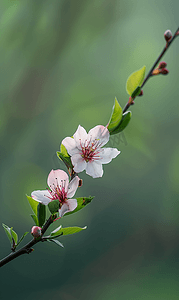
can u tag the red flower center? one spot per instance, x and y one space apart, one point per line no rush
58 191
90 150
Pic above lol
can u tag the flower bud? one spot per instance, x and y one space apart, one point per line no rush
168 35
156 72
130 100
36 231
164 71
141 93
80 183
162 65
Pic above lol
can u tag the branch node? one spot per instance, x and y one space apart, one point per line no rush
29 250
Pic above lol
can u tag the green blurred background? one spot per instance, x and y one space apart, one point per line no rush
62 63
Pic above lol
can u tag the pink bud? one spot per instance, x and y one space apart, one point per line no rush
162 65
168 35
164 71
36 231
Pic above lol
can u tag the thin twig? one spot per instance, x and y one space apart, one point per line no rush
28 247
128 104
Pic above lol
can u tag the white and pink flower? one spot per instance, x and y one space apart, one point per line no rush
86 150
59 189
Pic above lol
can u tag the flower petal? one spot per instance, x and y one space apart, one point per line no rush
94 169
73 185
78 162
70 205
107 154
58 178
80 135
41 196
70 145
99 132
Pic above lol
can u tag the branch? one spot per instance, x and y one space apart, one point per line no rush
153 67
28 247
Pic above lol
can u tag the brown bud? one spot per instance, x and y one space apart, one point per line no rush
164 71
80 183
30 250
130 100
141 93
168 35
156 72
162 65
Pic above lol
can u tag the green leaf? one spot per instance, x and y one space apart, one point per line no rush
135 80
41 214
116 116
33 204
52 237
56 242
22 237
14 235
124 122
66 231
136 92
8 232
63 150
55 232
82 202
34 217
64 156
53 206
11 234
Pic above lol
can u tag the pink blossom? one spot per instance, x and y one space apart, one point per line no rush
86 150
59 189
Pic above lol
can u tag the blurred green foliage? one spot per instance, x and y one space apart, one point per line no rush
62 64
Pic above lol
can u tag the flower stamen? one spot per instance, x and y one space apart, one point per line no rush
90 149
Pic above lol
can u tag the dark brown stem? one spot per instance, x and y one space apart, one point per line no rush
47 224
154 65
28 247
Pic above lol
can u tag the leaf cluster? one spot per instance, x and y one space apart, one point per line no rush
13 237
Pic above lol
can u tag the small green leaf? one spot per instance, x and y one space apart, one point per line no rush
63 150
34 217
33 204
135 80
67 230
14 235
82 202
8 232
52 237
56 242
116 116
22 237
136 92
11 234
124 122
41 214
65 157
53 206
54 232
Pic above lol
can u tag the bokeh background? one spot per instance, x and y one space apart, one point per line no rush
62 63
